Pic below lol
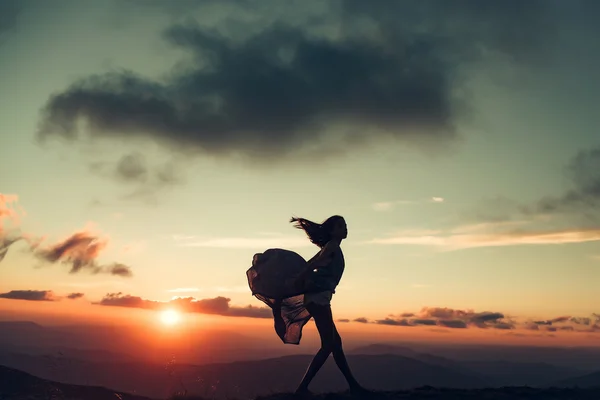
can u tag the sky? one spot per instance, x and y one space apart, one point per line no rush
148 149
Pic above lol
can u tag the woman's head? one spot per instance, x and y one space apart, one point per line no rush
333 228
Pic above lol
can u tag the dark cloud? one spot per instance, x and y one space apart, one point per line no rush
81 251
393 70
566 328
532 326
423 321
582 199
584 195
30 295
5 244
553 321
516 29
445 317
486 316
75 296
503 325
147 181
454 323
115 269
581 320
565 323
250 101
218 305
362 320
439 312
134 168
394 322
485 319
450 318
343 320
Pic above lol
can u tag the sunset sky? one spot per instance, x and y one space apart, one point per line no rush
170 141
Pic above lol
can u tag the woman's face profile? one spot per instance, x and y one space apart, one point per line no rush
340 229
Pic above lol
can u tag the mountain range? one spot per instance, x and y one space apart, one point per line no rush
18 385
104 357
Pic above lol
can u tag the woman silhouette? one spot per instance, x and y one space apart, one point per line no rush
324 272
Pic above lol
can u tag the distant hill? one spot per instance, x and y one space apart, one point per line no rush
431 393
585 381
18 385
536 374
494 373
252 378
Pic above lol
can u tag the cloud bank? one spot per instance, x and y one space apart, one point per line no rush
462 319
30 295
354 77
218 305
80 250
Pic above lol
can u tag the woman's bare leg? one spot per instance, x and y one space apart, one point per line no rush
331 342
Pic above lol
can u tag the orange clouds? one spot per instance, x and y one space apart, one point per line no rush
7 207
7 212
30 295
80 250
218 305
462 319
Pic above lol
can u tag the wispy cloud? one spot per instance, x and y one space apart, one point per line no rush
80 250
9 211
7 207
390 205
260 243
39 295
488 235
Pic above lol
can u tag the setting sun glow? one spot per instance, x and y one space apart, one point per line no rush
170 317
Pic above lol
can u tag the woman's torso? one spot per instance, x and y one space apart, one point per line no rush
328 277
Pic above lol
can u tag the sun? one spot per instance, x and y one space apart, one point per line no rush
170 317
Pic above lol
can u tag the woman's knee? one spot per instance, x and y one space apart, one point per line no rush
337 341
331 345
327 347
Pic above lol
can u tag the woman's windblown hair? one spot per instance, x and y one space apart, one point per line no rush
318 234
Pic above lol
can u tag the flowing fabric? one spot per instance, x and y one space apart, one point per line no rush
273 280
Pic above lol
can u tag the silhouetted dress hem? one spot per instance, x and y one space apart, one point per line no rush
272 279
